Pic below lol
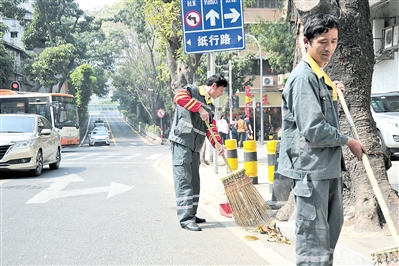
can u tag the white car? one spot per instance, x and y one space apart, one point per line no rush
28 142
385 111
99 136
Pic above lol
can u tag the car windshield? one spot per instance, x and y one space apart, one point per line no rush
100 128
100 133
383 104
17 124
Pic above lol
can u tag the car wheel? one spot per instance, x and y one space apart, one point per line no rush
56 165
39 165
383 147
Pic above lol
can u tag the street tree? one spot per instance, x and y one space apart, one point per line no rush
8 9
6 61
277 39
53 65
240 69
62 22
166 18
83 83
140 62
353 64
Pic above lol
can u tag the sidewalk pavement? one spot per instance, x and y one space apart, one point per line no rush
350 250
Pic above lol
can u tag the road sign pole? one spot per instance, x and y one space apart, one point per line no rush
212 72
231 95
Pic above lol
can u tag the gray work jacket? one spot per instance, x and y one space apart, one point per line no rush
311 143
188 129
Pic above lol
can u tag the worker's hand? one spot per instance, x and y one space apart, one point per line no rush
356 148
203 114
340 85
220 149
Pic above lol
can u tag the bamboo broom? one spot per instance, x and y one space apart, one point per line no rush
389 255
249 208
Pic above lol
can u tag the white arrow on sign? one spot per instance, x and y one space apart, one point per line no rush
234 15
212 15
55 190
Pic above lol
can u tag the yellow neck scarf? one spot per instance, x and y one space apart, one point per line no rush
202 92
320 73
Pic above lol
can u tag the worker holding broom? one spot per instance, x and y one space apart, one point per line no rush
311 145
188 132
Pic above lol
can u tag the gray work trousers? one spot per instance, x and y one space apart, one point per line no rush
187 182
319 220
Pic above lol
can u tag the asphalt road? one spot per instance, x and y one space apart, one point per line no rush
109 205
114 205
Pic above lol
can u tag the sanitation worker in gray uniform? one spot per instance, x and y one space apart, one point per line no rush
188 133
311 145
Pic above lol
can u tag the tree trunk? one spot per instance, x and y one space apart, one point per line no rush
353 64
181 72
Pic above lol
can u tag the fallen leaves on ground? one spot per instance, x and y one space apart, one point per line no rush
251 238
273 233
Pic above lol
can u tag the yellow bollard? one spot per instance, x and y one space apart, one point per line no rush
271 146
232 158
251 160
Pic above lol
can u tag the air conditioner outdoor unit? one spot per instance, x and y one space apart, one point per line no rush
388 37
280 79
395 34
268 81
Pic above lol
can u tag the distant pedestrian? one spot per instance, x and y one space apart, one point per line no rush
233 129
223 128
242 129
249 126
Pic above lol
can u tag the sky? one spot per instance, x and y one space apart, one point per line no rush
91 4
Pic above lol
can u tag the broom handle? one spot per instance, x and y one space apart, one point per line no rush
217 144
370 173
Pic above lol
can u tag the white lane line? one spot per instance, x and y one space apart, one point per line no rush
154 156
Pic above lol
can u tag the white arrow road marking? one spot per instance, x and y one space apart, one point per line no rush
55 190
212 15
234 15
154 156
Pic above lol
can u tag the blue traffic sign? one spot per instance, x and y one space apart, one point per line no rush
212 25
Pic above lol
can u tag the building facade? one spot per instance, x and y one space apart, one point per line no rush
385 24
15 47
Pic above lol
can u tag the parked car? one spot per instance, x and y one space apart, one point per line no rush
99 136
28 142
385 111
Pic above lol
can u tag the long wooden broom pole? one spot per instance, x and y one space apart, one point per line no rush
370 173
217 144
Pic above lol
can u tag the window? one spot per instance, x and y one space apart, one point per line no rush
14 34
266 4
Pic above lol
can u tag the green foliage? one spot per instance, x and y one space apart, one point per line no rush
137 80
61 23
84 82
11 9
277 38
153 129
241 68
6 61
53 62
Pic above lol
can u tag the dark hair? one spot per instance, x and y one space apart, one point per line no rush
218 79
318 24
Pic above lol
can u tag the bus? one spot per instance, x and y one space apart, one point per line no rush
59 108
